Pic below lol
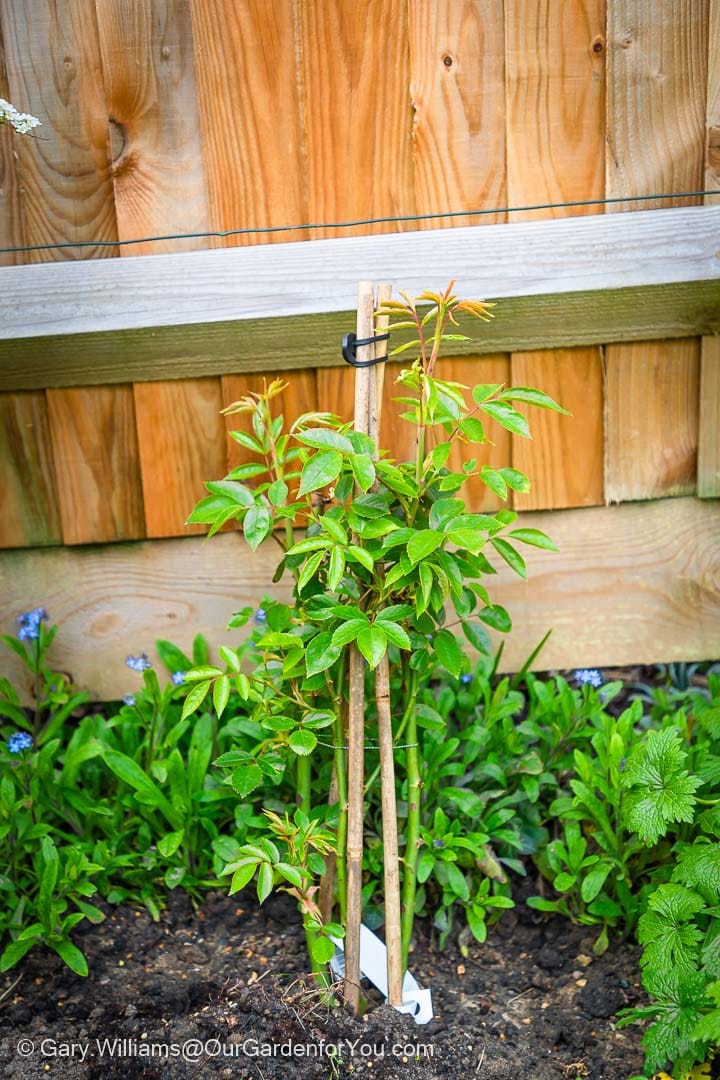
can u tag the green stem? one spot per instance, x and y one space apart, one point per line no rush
341 776
302 779
412 830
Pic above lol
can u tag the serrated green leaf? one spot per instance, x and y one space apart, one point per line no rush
534 537
323 949
302 742
321 470
372 643
422 544
325 439
221 694
264 882
336 568
395 634
448 652
529 396
195 698
232 489
246 777
484 391
257 525
320 653
363 471
507 417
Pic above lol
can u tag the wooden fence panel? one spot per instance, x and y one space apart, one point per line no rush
53 65
250 114
555 64
708 471
12 225
651 418
712 120
97 463
564 460
181 435
657 72
630 584
29 514
357 112
157 167
457 88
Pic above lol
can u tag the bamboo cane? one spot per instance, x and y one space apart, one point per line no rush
391 862
356 712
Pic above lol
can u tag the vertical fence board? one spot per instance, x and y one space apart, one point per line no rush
712 121
708 473
356 79
458 99
554 62
651 417
250 111
657 71
53 64
299 397
181 436
564 459
28 501
157 167
12 227
97 464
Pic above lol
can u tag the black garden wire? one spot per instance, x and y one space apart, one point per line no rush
262 230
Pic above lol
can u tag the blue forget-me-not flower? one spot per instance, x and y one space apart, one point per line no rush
138 663
19 741
178 678
589 677
29 624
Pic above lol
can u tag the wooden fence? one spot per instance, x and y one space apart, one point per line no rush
179 116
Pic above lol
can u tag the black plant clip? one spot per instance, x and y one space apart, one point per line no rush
350 344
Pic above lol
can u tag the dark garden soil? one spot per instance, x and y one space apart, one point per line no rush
214 992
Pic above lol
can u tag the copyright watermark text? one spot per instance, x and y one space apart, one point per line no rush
200 1049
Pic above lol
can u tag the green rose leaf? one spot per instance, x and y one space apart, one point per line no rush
320 471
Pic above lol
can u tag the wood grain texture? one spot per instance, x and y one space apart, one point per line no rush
12 222
181 436
95 449
638 583
279 344
357 110
250 114
555 81
300 396
708 472
651 419
712 118
657 72
157 169
54 72
564 459
457 88
272 280
28 499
